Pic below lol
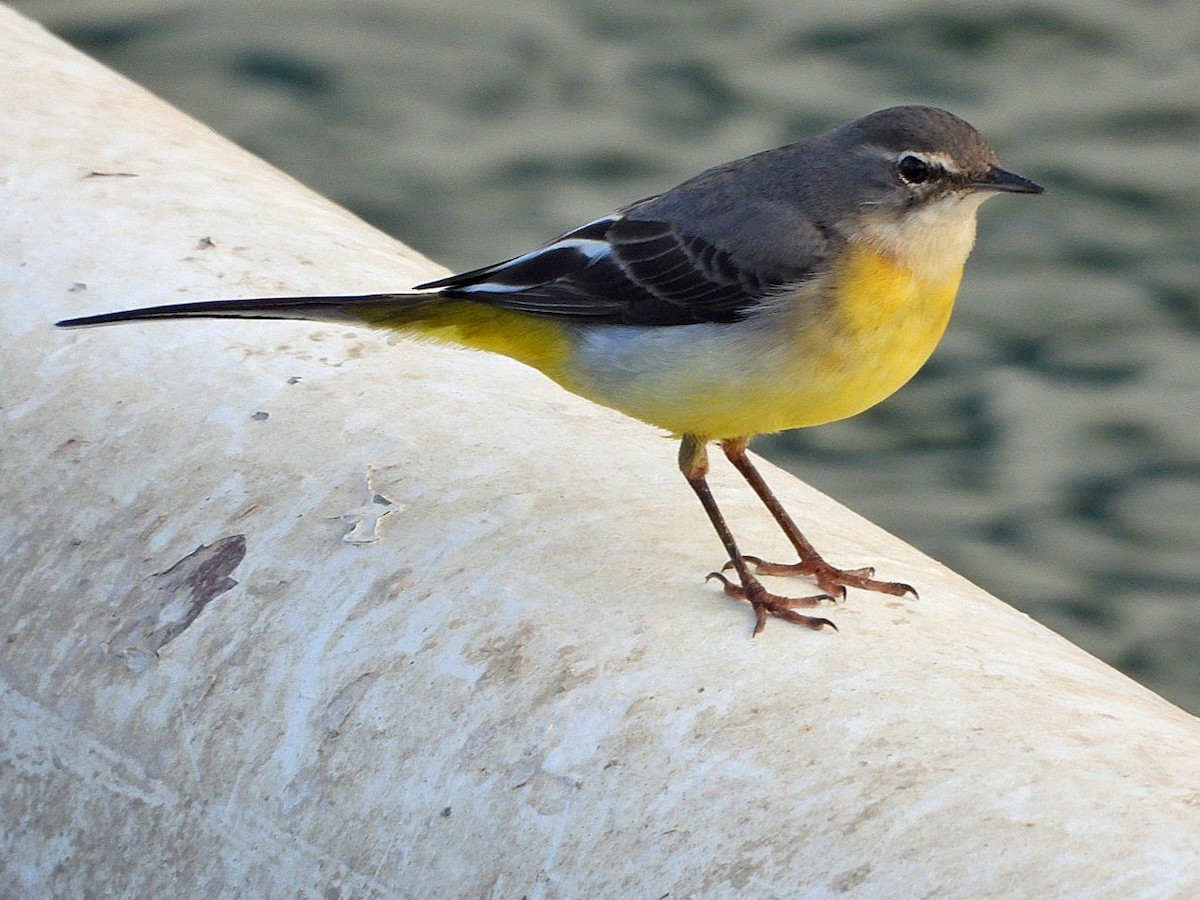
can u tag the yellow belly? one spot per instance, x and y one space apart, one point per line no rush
885 322
875 328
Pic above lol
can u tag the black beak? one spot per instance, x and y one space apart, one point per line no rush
999 180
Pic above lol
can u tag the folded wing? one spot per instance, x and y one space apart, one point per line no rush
622 269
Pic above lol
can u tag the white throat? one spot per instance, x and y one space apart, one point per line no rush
932 241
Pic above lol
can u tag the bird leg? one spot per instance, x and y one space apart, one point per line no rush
693 462
829 578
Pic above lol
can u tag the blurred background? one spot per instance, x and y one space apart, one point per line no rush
1051 449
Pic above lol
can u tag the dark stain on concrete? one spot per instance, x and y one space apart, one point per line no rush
169 602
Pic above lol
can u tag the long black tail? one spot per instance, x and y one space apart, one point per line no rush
326 309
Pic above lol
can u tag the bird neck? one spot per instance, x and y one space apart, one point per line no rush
932 242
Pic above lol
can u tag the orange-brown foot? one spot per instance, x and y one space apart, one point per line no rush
767 604
831 579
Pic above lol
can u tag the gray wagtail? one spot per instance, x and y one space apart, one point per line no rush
794 287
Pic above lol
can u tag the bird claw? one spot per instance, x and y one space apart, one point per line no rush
829 578
767 604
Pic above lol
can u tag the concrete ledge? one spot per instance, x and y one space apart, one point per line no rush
300 610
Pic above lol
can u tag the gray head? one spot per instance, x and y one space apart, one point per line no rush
907 181
927 151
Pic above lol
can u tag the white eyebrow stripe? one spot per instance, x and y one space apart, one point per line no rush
934 158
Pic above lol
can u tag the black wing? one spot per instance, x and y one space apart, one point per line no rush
624 270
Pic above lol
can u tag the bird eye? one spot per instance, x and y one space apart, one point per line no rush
915 170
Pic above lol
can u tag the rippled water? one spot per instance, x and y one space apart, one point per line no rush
1050 451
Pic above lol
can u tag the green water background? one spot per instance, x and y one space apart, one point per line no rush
1051 449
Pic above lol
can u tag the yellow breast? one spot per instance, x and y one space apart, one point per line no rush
884 322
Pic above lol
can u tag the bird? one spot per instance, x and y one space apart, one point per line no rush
791 288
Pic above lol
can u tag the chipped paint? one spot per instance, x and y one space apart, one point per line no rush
168 602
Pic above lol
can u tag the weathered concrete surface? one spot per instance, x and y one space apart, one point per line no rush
298 610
